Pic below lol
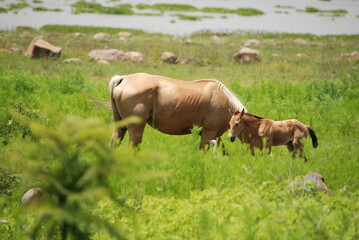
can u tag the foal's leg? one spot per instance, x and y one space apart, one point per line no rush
297 144
224 150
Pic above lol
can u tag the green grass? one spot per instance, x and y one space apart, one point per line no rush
203 195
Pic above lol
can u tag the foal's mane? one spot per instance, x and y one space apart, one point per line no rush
251 115
234 103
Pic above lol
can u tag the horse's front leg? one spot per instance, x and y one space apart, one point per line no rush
206 136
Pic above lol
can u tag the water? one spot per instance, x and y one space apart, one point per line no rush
291 22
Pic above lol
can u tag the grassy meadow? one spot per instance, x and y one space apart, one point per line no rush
54 137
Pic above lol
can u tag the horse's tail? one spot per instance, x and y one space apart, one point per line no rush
114 82
313 136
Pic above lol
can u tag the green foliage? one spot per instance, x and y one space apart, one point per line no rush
172 7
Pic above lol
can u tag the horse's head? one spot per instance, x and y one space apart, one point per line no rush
236 124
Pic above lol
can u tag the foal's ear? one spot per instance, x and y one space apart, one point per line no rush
242 113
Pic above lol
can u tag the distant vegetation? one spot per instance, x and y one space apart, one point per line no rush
333 13
87 7
43 9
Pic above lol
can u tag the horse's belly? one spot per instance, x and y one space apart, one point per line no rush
173 126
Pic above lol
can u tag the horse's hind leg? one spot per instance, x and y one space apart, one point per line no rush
118 133
135 132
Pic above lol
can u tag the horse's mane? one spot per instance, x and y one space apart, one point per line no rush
234 103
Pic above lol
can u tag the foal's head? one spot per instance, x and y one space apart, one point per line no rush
236 125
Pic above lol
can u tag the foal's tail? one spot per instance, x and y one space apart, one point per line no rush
313 136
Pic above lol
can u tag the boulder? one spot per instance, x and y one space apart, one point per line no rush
307 183
135 57
247 55
107 54
40 48
252 42
101 36
169 57
125 34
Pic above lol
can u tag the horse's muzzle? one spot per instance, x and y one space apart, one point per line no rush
232 138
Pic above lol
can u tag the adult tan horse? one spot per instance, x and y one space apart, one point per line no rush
171 106
252 129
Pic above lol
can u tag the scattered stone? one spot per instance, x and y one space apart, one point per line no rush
70 60
77 34
40 48
11 50
351 56
300 41
31 196
107 54
3 221
216 38
246 55
103 62
301 55
275 55
188 41
252 42
125 34
135 57
185 60
307 185
169 57
101 36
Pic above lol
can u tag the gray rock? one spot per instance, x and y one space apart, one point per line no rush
125 34
107 54
252 42
101 36
315 178
135 57
247 55
169 57
31 196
